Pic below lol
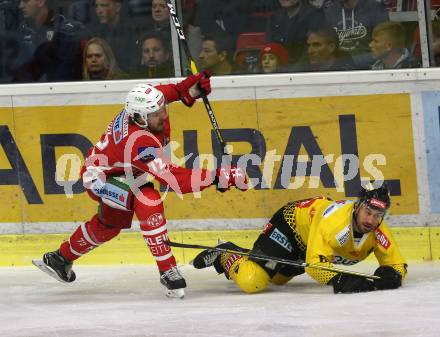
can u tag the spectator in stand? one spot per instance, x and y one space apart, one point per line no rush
215 56
354 21
113 27
161 19
49 45
9 48
273 58
289 26
99 62
155 59
227 18
159 23
193 33
388 47
323 53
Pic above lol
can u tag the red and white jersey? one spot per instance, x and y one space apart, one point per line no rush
127 149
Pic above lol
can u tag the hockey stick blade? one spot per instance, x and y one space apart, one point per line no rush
44 268
299 264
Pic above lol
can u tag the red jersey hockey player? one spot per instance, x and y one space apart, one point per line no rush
115 173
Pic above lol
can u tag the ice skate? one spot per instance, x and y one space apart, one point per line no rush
211 257
174 282
55 265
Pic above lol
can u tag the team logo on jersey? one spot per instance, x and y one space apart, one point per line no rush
120 127
147 153
281 239
155 220
382 239
343 236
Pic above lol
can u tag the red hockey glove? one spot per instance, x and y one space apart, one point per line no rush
193 86
228 176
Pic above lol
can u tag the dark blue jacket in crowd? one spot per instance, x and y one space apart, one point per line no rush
51 52
354 26
292 32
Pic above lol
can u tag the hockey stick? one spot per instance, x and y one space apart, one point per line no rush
181 35
275 259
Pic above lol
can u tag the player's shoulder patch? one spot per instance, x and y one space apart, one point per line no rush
382 239
307 202
147 153
120 127
333 207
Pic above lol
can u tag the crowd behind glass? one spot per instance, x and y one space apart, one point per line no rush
72 40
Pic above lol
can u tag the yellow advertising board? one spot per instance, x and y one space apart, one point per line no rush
297 147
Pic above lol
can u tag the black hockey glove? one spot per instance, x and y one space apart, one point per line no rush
390 278
344 283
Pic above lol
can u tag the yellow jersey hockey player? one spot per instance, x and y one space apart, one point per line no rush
319 231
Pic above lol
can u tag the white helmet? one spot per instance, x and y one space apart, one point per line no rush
143 100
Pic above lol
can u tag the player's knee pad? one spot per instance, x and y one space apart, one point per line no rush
249 276
113 217
280 279
100 232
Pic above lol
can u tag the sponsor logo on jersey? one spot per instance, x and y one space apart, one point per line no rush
343 236
382 239
267 227
147 153
120 127
111 192
281 239
378 203
334 207
344 261
155 220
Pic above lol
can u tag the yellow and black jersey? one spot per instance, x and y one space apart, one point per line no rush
325 229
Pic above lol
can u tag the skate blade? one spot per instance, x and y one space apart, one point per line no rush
175 293
43 267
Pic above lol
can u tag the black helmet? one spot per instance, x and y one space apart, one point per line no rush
375 198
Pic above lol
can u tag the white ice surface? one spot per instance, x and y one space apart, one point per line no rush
128 301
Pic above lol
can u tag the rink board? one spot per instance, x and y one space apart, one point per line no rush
275 130
416 244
